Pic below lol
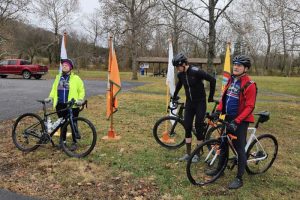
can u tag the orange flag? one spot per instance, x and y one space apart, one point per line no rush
113 82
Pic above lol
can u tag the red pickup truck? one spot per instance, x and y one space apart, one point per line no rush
21 67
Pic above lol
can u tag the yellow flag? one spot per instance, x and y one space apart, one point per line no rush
113 82
227 68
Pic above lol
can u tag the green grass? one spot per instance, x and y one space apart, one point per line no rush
147 159
140 162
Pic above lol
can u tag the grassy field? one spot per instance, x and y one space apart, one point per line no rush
136 167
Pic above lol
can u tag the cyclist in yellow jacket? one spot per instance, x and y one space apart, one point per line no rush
66 86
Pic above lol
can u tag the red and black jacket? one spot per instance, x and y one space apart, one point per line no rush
246 100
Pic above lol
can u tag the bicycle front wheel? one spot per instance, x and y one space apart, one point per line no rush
80 142
261 154
27 132
169 132
209 166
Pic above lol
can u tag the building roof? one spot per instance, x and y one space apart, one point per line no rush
165 60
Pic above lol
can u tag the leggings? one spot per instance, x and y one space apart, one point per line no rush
193 109
239 145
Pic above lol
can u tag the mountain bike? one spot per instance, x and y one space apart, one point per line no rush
169 131
78 135
261 152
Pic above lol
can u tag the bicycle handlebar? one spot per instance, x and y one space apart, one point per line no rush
69 104
176 103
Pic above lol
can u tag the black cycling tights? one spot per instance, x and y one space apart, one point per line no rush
197 109
239 145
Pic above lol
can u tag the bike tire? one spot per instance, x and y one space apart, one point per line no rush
214 132
266 146
29 140
85 144
169 132
209 158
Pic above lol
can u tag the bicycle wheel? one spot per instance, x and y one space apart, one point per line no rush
261 154
199 173
214 132
169 132
27 132
81 144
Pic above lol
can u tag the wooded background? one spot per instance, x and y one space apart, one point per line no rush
266 30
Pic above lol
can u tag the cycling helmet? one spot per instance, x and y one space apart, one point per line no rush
242 60
179 59
68 61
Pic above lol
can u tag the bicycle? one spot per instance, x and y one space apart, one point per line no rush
169 131
261 152
78 135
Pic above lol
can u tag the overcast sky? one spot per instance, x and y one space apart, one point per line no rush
87 6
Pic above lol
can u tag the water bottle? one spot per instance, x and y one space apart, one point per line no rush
49 125
57 123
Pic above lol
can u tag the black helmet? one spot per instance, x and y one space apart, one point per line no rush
69 61
179 59
242 60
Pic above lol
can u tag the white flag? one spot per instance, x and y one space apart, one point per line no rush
170 76
63 52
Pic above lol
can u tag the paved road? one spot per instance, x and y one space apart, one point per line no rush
18 96
7 195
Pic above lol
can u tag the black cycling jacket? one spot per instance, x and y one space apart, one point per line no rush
192 80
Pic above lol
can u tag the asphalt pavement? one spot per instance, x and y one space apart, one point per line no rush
7 195
18 96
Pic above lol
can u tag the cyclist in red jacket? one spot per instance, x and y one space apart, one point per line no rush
237 103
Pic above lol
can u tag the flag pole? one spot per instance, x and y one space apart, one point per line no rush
111 135
65 38
165 135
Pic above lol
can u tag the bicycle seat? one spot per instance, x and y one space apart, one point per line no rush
263 116
41 101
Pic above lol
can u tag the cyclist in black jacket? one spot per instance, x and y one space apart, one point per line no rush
192 78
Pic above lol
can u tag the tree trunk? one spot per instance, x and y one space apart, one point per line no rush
212 38
134 56
133 42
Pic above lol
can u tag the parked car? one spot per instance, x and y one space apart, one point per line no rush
21 67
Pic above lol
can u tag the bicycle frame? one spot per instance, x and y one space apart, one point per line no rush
182 107
67 118
252 137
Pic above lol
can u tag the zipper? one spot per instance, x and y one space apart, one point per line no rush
187 81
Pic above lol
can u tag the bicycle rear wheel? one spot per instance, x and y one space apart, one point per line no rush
27 132
79 144
169 132
261 154
214 132
209 152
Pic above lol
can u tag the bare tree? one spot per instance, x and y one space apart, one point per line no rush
174 20
9 10
209 12
130 17
57 13
93 27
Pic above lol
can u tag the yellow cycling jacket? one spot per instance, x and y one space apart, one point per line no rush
76 88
